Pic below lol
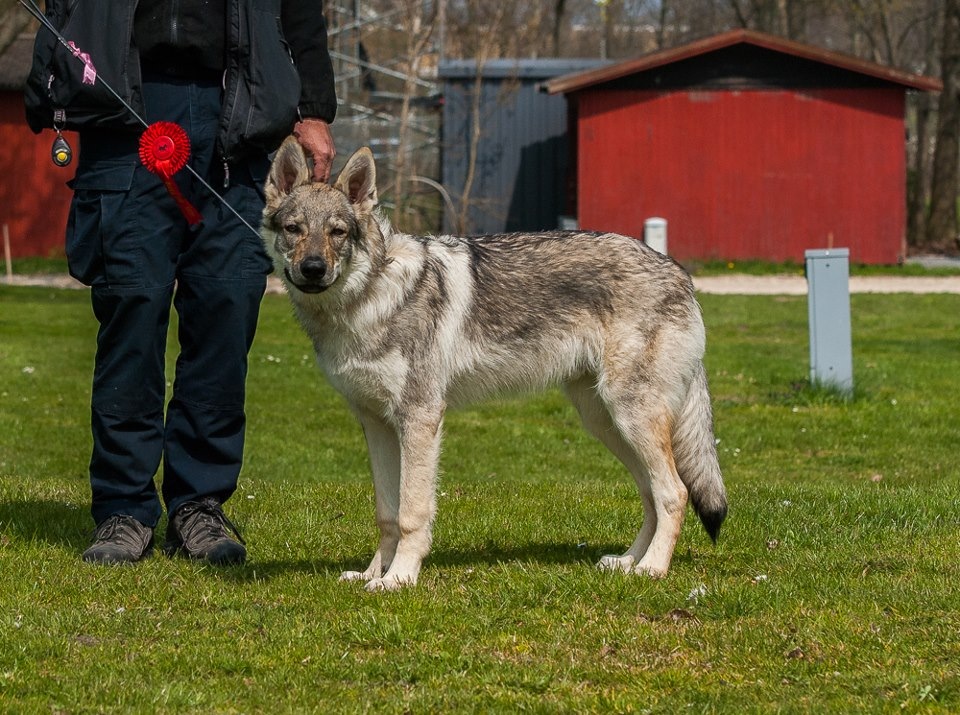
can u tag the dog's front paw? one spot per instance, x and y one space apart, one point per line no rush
649 570
355 576
389 583
624 563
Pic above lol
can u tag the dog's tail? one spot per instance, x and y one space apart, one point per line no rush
695 454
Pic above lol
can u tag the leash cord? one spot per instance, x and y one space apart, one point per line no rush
31 7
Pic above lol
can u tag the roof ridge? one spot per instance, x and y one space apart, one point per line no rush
703 46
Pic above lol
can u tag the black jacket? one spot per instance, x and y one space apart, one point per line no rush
278 69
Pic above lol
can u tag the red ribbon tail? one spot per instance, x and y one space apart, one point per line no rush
186 208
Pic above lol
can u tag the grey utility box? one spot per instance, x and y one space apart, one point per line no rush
828 304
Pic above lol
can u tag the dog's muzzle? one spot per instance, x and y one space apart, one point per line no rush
311 275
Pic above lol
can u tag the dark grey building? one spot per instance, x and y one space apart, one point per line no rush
519 174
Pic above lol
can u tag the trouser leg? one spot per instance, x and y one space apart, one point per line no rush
205 425
121 243
221 277
127 402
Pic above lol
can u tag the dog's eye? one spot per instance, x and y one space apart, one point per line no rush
292 228
338 231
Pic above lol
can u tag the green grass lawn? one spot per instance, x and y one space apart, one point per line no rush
834 587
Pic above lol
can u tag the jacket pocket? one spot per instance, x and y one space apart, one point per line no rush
100 249
273 84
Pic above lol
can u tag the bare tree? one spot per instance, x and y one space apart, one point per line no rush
485 49
761 15
942 222
781 17
886 30
13 20
922 105
918 170
418 22
559 8
663 18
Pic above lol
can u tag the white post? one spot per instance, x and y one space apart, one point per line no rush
6 252
655 234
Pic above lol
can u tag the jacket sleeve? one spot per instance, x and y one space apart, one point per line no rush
305 28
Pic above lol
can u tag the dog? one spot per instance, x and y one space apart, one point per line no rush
405 327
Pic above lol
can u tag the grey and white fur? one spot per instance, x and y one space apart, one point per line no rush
405 327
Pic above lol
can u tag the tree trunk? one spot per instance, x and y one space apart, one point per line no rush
476 134
917 186
558 17
419 30
942 223
662 23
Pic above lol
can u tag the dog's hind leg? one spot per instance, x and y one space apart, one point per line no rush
384 450
652 439
638 429
596 421
419 440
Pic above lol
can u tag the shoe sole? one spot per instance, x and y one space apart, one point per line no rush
213 557
108 560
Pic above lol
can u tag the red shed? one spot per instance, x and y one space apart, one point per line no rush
750 145
34 198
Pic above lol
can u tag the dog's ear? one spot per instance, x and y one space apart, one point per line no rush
288 171
358 180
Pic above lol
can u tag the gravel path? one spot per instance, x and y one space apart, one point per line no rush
53 281
722 285
797 285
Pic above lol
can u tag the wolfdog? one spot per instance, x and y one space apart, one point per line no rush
406 326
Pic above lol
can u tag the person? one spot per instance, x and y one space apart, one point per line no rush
238 76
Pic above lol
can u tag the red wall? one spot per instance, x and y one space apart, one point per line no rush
747 174
34 198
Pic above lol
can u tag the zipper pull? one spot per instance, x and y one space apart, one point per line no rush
226 174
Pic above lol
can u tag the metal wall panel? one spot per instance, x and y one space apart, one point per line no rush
522 155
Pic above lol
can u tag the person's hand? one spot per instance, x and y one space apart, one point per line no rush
317 141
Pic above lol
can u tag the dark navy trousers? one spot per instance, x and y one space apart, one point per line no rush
127 240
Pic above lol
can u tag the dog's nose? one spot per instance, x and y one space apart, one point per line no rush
313 268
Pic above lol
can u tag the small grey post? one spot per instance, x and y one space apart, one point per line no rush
655 234
828 304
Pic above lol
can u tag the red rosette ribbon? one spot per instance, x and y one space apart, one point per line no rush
164 150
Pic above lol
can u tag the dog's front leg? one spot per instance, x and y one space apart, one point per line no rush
419 439
383 447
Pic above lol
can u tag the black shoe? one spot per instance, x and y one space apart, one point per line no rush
200 530
120 539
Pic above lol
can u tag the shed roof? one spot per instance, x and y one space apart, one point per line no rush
537 69
828 59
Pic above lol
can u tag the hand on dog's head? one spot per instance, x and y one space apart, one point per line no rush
291 170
